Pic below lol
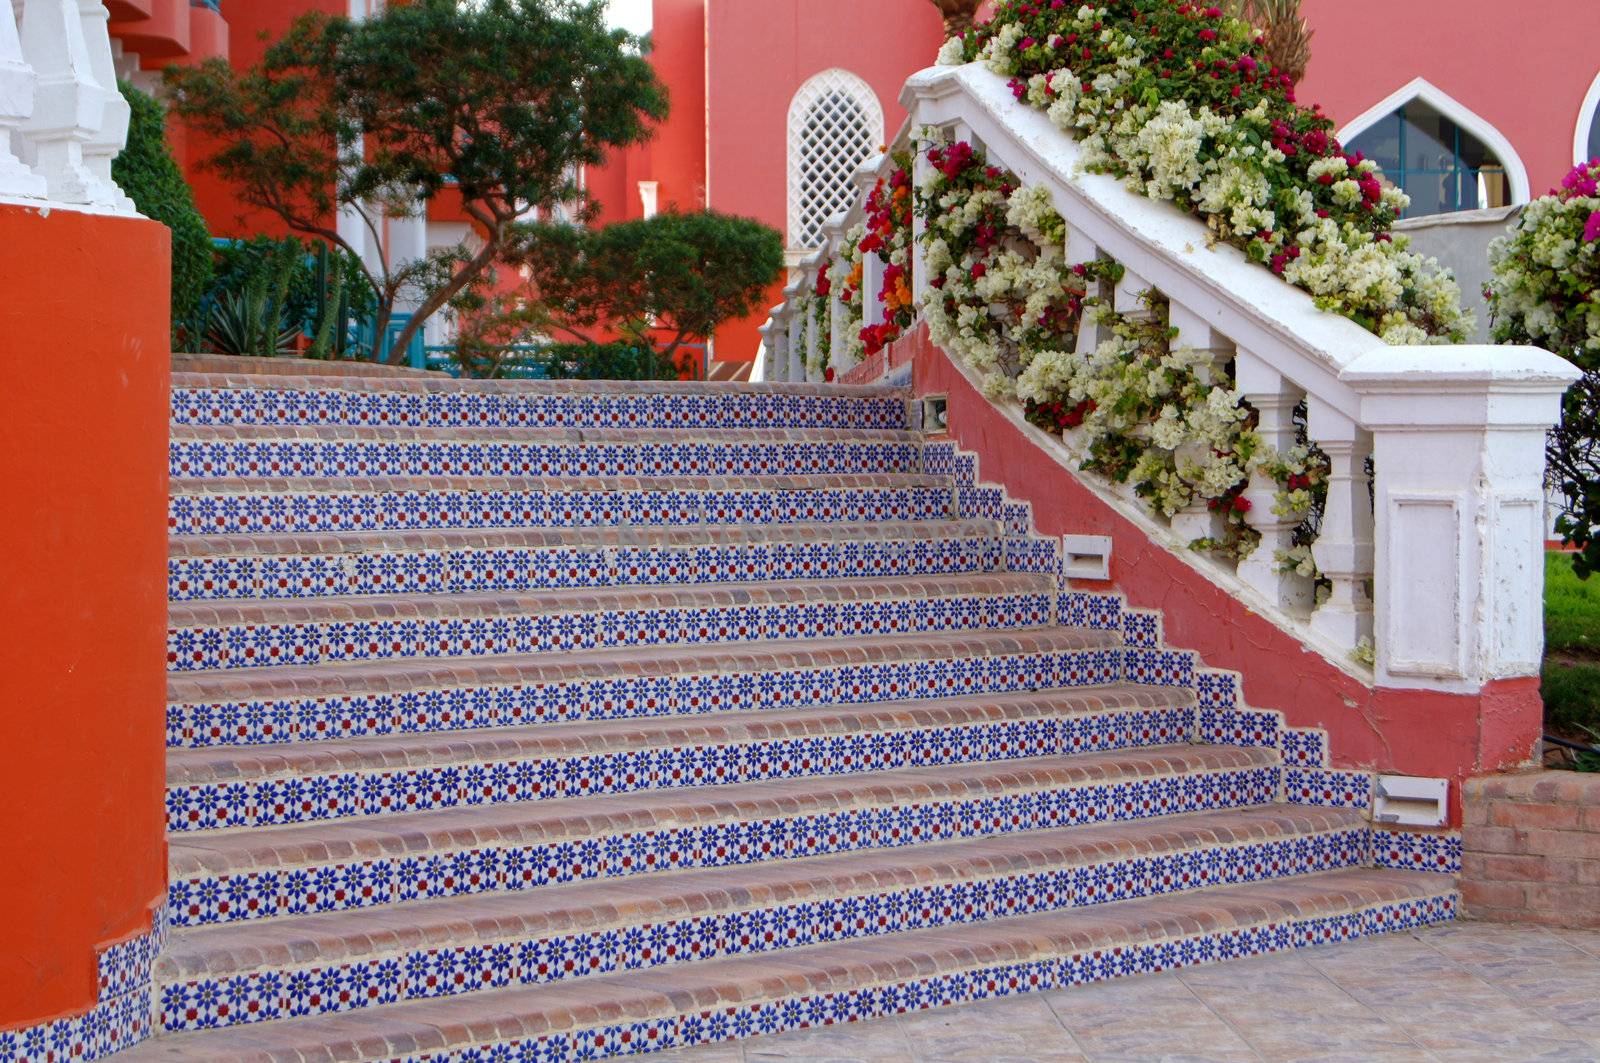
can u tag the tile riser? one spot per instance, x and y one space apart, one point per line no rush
333 406
261 996
245 896
331 511
976 984
276 802
280 645
267 721
470 571
288 459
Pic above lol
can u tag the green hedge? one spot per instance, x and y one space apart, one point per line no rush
151 177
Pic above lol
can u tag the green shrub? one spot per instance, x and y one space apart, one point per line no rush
150 176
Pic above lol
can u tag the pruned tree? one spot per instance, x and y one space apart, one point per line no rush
666 281
958 15
502 102
1287 33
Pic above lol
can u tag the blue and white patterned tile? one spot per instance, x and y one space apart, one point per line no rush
1404 850
1327 789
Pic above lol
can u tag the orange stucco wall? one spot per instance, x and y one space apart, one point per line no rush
83 432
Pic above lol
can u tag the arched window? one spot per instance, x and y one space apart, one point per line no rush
835 123
1586 143
1445 157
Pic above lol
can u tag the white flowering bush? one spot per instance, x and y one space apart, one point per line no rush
1164 419
1177 99
1545 290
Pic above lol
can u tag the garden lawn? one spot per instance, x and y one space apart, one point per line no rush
1572 650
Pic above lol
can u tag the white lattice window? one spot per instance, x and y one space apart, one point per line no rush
835 123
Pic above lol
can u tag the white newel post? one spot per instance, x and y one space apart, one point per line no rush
69 104
108 142
1458 448
1343 550
1274 398
16 107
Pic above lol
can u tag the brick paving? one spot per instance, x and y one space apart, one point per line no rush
1463 993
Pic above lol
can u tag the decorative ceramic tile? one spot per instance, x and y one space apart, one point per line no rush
308 798
425 973
1304 747
254 721
1329 789
1240 727
260 895
1057 972
1406 850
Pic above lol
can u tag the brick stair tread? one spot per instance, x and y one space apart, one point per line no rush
468 827
341 433
338 937
377 753
608 536
338 678
693 596
439 1024
443 384
559 485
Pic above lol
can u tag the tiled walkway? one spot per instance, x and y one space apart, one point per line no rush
1458 993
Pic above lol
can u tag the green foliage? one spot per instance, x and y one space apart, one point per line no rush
676 275
503 101
253 322
150 176
603 361
240 262
1571 610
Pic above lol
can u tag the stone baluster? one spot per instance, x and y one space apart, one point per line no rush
16 107
1198 520
1274 398
1343 550
796 347
1083 251
1129 296
920 169
813 327
871 285
69 105
112 136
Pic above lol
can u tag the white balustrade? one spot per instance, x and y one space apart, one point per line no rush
17 180
1343 550
1274 399
62 119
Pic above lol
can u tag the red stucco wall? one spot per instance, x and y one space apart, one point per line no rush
1524 68
1410 732
83 432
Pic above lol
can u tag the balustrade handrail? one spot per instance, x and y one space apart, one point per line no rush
62 117
1428 567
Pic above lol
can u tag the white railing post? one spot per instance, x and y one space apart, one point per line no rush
871 286
1458 452
1274 398
16 107
813 327
69 105
107 143
1343 550
920 168
1128 296
1198 520
796 349
1082 251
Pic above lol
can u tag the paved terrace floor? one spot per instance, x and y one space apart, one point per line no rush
1461 993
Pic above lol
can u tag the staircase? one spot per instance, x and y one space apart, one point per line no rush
562 721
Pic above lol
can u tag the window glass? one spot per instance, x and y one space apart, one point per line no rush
1441 166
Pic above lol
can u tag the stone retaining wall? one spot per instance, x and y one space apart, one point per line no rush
1532 848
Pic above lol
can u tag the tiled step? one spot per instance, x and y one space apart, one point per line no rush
458 561
298 966
332 451
743 996
277 871
333 701
235 507
438 402
261 634
230 787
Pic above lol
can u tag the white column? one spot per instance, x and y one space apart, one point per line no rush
408 243
108 142
1274 399
1343 550
1082 251
69 104
649 197
871 284
1458 449
16 107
